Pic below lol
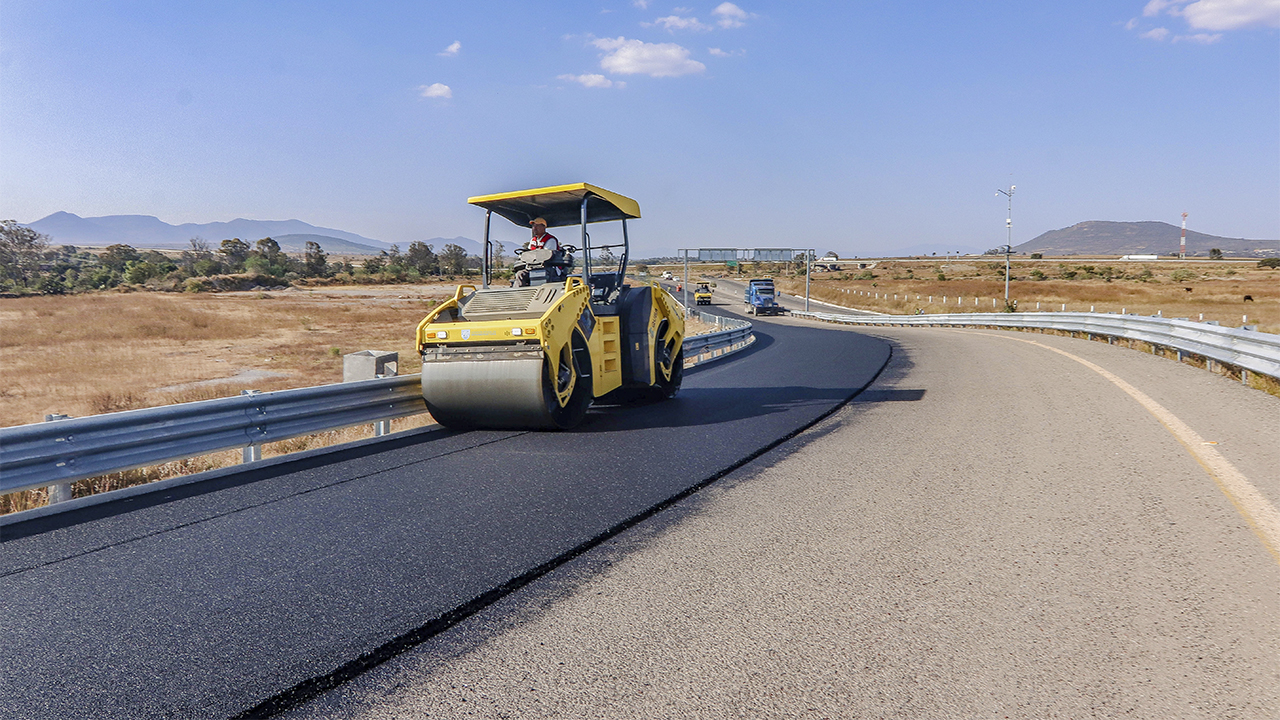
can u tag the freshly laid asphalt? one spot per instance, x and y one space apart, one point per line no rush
211 599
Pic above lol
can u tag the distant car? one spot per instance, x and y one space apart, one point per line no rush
666 275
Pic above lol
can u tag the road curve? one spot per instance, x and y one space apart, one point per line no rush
992 529
209 600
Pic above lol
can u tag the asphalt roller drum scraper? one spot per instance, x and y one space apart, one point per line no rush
538 356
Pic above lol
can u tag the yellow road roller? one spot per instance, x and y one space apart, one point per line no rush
536 356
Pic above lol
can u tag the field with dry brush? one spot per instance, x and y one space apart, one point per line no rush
104 352
1194 290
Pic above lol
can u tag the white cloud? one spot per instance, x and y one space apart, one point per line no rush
642 4
633 57
1232 14
1208 15
732 16
436 90
1218 14
451 50
1202 38
671 23
717 52
592 80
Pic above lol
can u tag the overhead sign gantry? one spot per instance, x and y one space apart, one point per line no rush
733 256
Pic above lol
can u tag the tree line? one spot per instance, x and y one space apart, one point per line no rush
30 264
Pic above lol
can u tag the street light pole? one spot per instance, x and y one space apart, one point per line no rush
685 284
1008 247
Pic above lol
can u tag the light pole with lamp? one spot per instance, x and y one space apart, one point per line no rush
1008 247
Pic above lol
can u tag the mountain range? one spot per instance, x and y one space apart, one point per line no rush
1102 237
147 231
1094 237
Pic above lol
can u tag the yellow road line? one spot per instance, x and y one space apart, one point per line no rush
1261 515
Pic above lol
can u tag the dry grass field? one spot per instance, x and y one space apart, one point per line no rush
95 353
1217 290
90 354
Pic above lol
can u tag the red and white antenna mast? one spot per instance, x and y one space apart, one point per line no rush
1182 250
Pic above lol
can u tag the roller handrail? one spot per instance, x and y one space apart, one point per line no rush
1248 349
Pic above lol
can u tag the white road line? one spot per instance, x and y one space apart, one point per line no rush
1261 515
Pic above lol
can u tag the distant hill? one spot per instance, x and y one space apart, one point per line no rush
1101 237
147 231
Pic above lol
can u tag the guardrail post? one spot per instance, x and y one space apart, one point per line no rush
368 365
62 491
253 451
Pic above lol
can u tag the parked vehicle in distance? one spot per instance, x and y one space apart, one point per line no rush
760 298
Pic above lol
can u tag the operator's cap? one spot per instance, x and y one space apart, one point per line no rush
537 220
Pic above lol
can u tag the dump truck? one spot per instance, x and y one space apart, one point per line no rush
760 298
702 295
538 356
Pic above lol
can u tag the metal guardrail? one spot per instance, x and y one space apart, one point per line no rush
63 451
735 336
33 456
1248 349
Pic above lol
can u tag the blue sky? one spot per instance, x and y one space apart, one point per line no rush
865 127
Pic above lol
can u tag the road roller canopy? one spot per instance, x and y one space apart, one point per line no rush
560 205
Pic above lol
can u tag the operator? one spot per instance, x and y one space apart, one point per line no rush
541 239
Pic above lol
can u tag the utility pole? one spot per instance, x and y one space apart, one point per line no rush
1182 249
1008 246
